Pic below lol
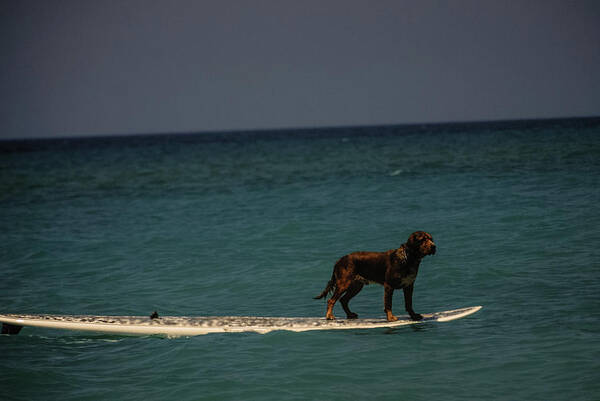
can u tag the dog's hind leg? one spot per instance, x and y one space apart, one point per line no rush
336 295
354 289
340 289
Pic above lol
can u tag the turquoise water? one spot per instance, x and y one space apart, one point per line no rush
252 223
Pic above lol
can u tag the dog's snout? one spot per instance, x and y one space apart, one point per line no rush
433 249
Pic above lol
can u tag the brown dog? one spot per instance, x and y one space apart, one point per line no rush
394 269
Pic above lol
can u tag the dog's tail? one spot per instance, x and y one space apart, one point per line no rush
330 287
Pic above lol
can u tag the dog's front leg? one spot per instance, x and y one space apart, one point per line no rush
408 292
387 302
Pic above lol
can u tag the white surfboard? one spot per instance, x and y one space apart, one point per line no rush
173 326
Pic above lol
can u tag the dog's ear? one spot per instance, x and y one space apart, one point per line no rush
414 240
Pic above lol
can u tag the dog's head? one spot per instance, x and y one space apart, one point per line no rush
421 243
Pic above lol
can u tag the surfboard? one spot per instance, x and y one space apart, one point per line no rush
175 326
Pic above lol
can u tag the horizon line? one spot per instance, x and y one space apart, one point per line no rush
292 128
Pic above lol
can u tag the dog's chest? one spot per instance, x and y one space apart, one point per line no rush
403 279
408 280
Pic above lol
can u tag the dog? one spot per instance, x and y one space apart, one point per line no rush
394 269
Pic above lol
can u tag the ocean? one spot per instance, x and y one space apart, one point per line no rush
251 223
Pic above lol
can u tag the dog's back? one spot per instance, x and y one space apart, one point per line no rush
368 266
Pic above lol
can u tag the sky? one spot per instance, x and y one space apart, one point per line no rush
98 67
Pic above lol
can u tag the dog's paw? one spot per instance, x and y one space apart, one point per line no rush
416 316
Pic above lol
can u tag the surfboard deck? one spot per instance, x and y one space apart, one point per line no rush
174 326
